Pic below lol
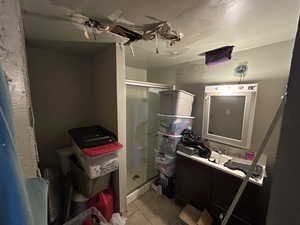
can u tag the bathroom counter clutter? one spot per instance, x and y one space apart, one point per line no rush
221 167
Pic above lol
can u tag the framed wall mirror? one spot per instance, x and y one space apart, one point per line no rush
228 114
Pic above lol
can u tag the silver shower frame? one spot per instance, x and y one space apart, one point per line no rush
149 84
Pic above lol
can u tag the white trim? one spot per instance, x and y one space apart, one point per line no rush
148 84
250 92
175 116
182 91
139 192
231 88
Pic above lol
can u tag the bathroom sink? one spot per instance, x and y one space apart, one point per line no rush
219 158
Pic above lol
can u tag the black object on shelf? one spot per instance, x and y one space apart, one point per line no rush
87 137
189 139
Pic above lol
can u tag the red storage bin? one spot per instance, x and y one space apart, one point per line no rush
102 149
104 202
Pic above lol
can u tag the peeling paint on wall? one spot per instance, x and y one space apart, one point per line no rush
13 62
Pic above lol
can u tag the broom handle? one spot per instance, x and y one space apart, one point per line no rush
254 163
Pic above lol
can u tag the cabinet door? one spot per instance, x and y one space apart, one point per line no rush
193 182
251 204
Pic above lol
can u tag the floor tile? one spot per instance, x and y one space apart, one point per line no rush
146 198
161 211
154 209
131 208
137 218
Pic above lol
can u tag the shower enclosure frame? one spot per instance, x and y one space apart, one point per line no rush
148 84
144 187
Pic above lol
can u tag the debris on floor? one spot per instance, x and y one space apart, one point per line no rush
193 216
117 219
90 216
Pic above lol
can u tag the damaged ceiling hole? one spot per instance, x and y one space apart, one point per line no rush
158 30
218 55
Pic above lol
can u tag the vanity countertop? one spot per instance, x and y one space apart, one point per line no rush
220 166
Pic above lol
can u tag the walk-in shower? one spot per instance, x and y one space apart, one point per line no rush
142 105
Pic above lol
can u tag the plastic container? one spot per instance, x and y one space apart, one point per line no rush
167 169
167 143
79 219
87 137
168 185
79 204
86 186
174 125
63 155
98 165
176 102
165 163
163 158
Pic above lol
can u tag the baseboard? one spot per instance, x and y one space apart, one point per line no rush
139 192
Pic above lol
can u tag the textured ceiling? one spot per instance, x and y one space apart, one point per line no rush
206 24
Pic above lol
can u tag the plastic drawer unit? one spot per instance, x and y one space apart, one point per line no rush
174 125
167 143
165 163
176 102
86 186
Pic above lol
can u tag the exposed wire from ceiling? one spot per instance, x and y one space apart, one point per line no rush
159 30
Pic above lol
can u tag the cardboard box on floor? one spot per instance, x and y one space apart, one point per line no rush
193 216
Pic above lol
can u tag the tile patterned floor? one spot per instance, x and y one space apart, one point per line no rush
153 209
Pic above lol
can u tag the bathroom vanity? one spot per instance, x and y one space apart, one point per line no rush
205 184
228 115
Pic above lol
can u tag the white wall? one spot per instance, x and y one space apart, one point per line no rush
109 96
13 63
105 88
268 66
133 73
267 62
121 103
162 75
157 75
61 86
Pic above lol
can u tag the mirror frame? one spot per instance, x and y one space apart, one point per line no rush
247 90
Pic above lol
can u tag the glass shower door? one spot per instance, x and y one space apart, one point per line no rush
141 128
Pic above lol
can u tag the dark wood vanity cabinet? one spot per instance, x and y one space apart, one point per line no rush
193 182
206 187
